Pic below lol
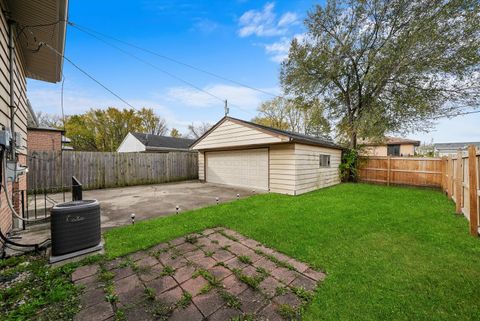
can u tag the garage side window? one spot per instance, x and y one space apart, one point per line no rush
324 161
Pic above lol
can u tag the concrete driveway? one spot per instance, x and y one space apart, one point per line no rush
148 201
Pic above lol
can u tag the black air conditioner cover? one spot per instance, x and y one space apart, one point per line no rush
75 226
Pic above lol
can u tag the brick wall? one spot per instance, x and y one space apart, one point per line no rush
44 140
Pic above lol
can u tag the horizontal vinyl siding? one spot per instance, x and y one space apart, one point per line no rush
282 169
201 166
308 175
230 134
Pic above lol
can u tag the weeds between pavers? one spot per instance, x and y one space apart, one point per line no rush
278 263
228 236
245 317
209 253
163 311
192 239
245 259
288 312
167 271
252 282
213 283
150 293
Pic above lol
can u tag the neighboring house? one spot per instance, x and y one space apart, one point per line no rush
47 138
240 153
139 142
445 149
24 26
390 146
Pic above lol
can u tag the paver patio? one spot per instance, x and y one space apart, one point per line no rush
217 274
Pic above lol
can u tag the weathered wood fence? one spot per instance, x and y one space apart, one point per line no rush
53 169
402 171
457 176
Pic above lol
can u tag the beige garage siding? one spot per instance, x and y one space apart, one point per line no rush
282 169
309 175
230 134
201 166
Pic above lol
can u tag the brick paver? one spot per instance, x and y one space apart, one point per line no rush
164 282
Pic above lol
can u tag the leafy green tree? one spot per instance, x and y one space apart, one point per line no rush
105 129
296 115
175 133
383 66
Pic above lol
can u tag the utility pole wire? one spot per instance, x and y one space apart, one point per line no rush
151 65
88 75
83 28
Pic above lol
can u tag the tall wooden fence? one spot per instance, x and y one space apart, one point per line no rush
402 171
457 176
53 169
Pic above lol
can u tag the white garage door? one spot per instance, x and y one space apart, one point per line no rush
244 168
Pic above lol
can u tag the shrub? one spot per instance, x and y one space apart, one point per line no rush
349 166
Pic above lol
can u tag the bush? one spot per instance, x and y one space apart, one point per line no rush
349 166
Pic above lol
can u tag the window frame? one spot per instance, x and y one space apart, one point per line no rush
324 157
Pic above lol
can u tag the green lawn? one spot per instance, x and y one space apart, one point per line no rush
391 253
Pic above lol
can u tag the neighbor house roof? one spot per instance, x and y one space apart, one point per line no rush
453 147
389 140
39 22
293 137
47 129
163 142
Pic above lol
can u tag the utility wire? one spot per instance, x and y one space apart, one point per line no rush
159 69
88 75
85 29
152 65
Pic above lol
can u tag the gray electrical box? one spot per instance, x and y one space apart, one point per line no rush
5 137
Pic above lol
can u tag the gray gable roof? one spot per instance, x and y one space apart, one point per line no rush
157 141
294 137
454 146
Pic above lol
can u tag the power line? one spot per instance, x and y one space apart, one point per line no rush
458 114
88 75
84 29
152 65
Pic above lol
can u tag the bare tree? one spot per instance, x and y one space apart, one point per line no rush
195 131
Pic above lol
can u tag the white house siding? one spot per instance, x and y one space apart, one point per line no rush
282 168
131 144
201 166
309 175
230 134
21 112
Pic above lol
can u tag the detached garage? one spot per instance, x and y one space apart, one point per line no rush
240 153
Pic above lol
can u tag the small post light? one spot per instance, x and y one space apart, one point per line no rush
132 216
216 199
177 208
238 197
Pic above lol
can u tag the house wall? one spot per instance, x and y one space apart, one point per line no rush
382 150
231 134
282 168
131 144
21 112
40 140
309 175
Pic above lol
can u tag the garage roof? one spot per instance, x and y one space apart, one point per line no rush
156 141
291 136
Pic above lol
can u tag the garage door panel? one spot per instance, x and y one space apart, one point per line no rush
246 168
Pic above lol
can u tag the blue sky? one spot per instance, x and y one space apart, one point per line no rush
240 40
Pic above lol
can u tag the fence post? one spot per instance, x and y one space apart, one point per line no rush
449 177
389 169
443 169
472 179
458 183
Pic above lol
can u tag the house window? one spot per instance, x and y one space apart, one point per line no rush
324 161
393 150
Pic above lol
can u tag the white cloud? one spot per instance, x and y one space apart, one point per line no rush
278 50
205 26
263 23
245 98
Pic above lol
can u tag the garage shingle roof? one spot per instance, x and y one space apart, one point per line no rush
157 141
294 137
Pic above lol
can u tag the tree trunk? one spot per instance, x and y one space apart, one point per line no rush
353 140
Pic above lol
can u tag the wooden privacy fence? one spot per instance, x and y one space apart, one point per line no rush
457 176
50 170
401 171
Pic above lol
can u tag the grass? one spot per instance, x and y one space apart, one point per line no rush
245 259
390 253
